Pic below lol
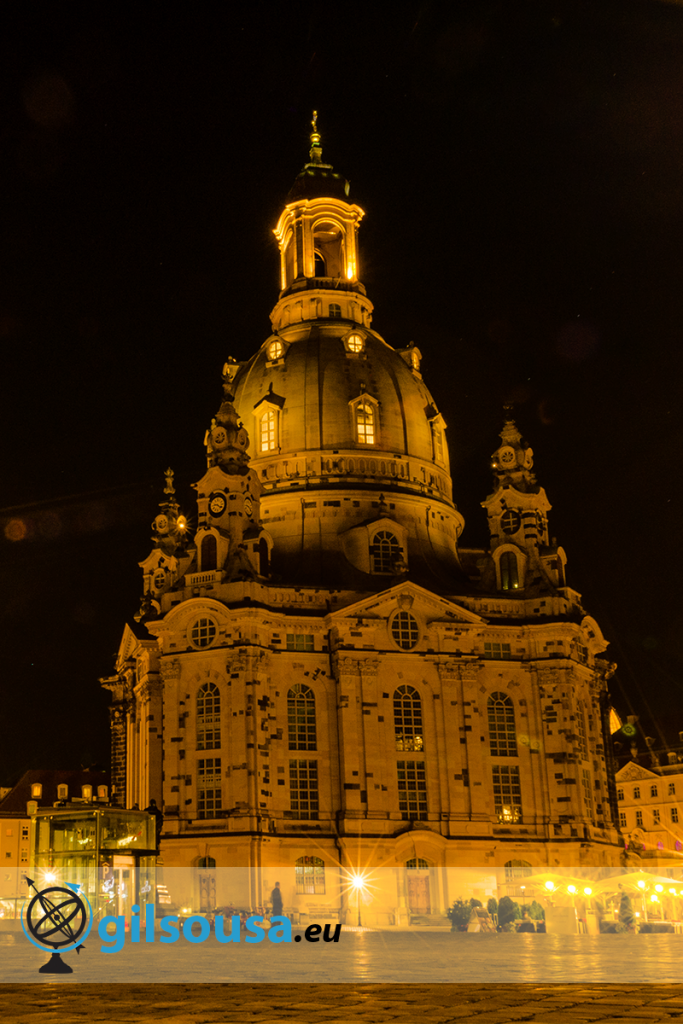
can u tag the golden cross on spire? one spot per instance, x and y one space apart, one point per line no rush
316 150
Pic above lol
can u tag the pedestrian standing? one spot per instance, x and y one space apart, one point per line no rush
276 900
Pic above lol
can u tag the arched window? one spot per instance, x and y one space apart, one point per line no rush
208 557
208 717
320 269
416 864
385 551
310 876
516 869
206 862
405 630
408 718
335 310
509 576
502 732
365 422
301 718
268 439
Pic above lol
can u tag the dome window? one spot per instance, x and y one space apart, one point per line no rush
511 521
509 573
203 632
276 350
385 552
405 630
268 424
364 420
355 343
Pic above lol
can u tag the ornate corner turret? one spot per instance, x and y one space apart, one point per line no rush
169 556
522 556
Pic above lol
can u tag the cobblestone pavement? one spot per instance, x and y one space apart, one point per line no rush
59 1003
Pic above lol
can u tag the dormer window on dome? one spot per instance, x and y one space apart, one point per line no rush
276 350
364 412
355 342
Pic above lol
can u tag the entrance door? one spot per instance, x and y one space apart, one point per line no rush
418 893
123 869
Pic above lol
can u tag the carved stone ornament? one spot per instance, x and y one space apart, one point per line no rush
634 773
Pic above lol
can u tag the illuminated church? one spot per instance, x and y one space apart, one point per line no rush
321 676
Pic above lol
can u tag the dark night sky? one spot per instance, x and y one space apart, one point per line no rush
521 169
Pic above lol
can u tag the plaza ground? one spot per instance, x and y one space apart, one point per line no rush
56 1003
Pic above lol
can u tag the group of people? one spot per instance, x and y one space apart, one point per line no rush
481 921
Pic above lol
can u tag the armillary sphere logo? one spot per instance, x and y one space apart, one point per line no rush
57 918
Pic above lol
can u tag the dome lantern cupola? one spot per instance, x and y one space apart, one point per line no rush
317 235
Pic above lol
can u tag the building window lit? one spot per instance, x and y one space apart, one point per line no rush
515 870
408 719
335 310
653 791
674 815
511 521
497 651
365 422
385 551
355 343
507 793
412 790
309 873
268 431
62 792
36 791
639 819
209 792
301 718
636 792
622 819
303 789
208 717
300 642
203 632
405 630
509 576
502 731
276 350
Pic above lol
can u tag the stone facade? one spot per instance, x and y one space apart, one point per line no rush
323 678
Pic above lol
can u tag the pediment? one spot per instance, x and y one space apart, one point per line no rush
131 644
633 772
408 595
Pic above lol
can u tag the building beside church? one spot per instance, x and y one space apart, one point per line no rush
323 678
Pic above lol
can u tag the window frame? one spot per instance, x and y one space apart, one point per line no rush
369 404
208 720
502 728
408 722
301 718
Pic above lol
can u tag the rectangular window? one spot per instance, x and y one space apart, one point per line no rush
620 794
497 651
412 790
587 791
653 791
507 793
622 819
636 792
639 819
209 790
656 817
300 642
303 789
309 873
209 739
672 788
674 814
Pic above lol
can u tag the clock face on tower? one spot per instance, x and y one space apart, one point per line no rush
506 456
219 437
217 503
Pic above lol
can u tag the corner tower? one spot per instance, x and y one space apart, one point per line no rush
349 444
